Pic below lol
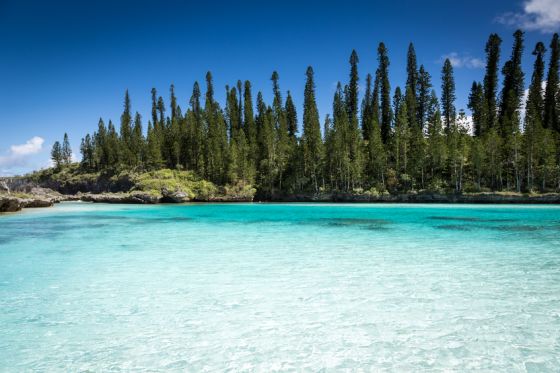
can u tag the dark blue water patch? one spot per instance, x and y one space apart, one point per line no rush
129 247
454 227
359 223
515 228
470 219
551 264
5 239
501 228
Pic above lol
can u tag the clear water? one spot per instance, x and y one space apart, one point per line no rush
264 287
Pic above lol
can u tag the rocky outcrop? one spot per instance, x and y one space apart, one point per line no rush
228 198
128 198
4 187
10 204
176 196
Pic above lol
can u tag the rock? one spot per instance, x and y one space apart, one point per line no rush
37 202
226 198
132 198
10 204
4 186
177 196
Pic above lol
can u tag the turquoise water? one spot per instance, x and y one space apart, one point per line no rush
266 287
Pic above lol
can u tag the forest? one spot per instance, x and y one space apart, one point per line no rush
390 140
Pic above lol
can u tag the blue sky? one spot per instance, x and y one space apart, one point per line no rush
66 63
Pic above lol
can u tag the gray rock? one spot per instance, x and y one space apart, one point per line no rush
37 202
4 186
131 198
10 204
177 196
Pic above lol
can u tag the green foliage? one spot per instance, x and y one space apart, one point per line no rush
174 180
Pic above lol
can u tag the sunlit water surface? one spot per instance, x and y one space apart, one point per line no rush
265 287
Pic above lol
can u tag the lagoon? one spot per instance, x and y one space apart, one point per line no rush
280 287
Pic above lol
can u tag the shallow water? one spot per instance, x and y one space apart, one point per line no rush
264 287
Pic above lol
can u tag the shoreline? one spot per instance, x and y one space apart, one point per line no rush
11 202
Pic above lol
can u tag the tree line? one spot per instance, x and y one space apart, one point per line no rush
392 140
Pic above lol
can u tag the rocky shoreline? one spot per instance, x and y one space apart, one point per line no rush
32 196
423 197
47 198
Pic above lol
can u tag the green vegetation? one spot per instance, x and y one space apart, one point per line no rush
392 141
73 179
173 180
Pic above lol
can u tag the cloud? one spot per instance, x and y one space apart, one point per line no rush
536 15
19 155
31 146
459 61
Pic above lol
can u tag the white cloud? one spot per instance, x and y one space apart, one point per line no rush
465 60
19 155
540 15
31 146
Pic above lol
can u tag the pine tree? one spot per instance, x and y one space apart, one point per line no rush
239 151
114 159
137 143
375 109
66 150
367 109
418 156
291 116
401 136
534 115
267 142
154 107
126 132
457 151
353 135
101 151
160 130
447 94
477 107
551 113
87 151
352 99
512 90
437 151
195 133
282 147
376 158
385 92
311 139
411 86
154 159
509 120
173 100
423 89
217 144
56 155
340 152
250 125
491 82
